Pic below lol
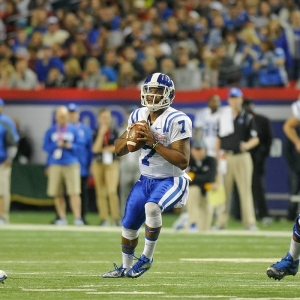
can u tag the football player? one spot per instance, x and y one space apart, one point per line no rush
290 263
163 183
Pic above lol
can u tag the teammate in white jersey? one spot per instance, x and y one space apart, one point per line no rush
290 263
163 183
206 124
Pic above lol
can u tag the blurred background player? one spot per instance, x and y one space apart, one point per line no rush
163 183
206 128
202 169
206 124
84 152
290 263
61 142
105 169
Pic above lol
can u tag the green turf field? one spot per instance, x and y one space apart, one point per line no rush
48 262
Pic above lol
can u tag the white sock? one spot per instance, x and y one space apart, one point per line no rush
149 248
294 249
128 260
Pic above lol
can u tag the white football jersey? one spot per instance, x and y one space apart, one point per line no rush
296 109
208 123
172 125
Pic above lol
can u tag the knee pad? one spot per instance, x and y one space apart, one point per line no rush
130 234
153 215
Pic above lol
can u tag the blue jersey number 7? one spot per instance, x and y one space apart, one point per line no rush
182 122
145 160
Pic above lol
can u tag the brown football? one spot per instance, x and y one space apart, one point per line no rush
132 143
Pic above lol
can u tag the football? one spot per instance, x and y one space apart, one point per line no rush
3 276
132 143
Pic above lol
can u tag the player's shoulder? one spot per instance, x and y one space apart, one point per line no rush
172 113
139 114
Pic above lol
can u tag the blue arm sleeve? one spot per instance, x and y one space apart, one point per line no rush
48 145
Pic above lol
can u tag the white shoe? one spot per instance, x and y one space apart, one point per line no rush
181 222
252 228
61 222
78 222
3 276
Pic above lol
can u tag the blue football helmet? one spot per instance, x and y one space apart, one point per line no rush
164 87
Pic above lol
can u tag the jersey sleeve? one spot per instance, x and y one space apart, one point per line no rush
181 128
296 109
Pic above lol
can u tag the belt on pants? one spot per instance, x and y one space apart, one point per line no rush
231 152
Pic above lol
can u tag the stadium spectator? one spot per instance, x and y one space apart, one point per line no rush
6 72
92 78
54 34
202 169
72 73
231 42
84 153
127 75
61 144
248 53
39 20
110 66
21 41
23 77
187 75
293 37
54 79
271 66
167 66
105 169
277 34
229 72
237 135
46 62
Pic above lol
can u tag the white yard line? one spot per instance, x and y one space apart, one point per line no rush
125 293
57 290
37 227
230 260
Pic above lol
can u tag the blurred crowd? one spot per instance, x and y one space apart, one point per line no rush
106 44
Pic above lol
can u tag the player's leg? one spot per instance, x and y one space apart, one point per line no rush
290 263
54 189
163 195
6 191
134 217
228 177
98 170
243 177
111 177
71 174
193 207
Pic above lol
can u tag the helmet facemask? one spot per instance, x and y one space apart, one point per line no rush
155 96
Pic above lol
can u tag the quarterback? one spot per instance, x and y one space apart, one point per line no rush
163 183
